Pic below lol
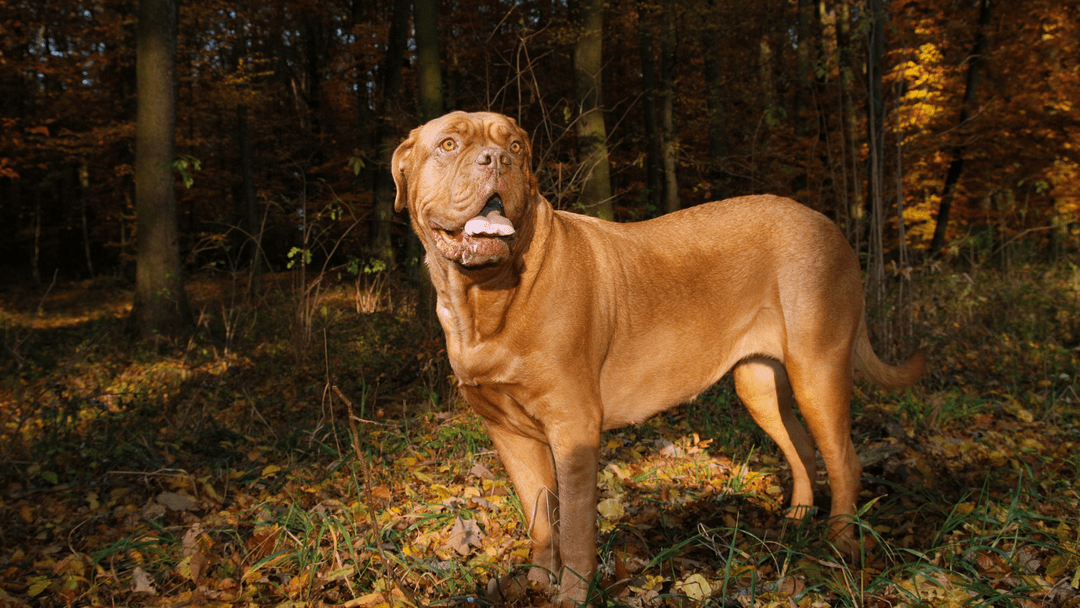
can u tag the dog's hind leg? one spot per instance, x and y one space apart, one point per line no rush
764 388
823 391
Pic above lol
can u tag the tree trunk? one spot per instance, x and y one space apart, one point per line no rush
595 197
875 110
252 222
802 66
850 129
382 219
977 58
714 103
160 305
429 77
365 105
773 112
84 186
428 70
648 84
668 135
35 261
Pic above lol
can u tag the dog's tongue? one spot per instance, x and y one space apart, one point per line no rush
489 223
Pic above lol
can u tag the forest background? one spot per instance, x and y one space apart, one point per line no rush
220 460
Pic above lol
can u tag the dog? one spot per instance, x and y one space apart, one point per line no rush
560 326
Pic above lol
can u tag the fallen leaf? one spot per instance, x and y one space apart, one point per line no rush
695 587
177 502
482 503
611 509
40 584
670 450
791 585
193 567
991 564
481 471
465 534
191 539
143 582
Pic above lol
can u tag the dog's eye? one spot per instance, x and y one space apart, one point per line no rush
448 145
516 147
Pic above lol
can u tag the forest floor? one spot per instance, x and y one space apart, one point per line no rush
306 449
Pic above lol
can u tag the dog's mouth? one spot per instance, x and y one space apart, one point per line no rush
484 239
490 221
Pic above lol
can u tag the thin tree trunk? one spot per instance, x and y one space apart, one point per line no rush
648 81
714 103
252 221
35 261
845 47
428 70
876 127
382 219
669 136
956 167
365 105
84 185
160 306
591 133
802 66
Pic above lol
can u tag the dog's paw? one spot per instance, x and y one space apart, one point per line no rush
507 588
851 548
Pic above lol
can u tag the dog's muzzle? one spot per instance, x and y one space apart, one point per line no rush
485 239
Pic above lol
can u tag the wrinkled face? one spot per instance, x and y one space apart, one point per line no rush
467 182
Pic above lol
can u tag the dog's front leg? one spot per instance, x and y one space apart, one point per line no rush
575 444
529 463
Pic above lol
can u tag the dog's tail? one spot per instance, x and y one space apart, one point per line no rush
892 377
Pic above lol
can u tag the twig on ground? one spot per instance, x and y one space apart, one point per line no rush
370 499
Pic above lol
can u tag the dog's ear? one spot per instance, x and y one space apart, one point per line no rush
399 168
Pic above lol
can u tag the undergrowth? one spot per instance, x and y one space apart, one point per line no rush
251 466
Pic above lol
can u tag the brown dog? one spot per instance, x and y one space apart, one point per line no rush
560 326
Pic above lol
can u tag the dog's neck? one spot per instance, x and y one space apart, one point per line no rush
473 301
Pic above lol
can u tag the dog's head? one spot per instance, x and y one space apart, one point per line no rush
468 185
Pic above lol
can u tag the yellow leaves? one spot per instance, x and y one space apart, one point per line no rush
1016 409
611 511
379 599
939 589
648 586
695 586
270 470
38 584
193 567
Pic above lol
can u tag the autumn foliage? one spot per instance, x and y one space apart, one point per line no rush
793 116
304 444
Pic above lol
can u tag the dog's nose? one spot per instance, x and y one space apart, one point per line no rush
497 157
